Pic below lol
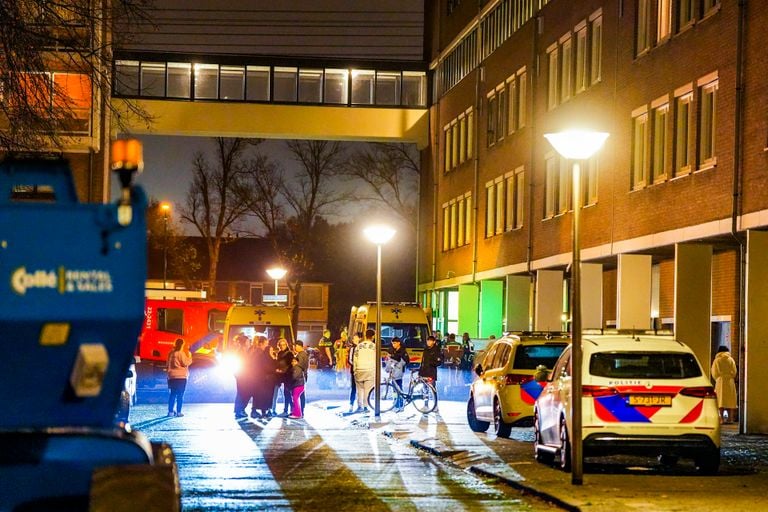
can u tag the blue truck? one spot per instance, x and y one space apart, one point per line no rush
71 309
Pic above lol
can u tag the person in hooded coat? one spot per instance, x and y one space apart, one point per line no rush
262 381
724 373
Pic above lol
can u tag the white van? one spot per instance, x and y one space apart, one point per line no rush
406 320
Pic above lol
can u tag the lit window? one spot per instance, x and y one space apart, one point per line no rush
468 223
501 119
553 89
708 103
639 151
589 181
499 217
310 85
285 81
521 99
659 143
684 13
682 138
207 81
581 60
490 210
566 70
493 111
596 49
470 133
232 82
643 29
447 138
519 194
564 187
454 224
550 183
462 139
454 144
663 19
446 228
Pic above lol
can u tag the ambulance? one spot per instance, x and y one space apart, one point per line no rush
274 322
406 320
199 324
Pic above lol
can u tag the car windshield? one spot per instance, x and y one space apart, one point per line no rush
273 332
412 335
528 357
648 365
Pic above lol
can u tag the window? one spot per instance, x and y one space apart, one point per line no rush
311 296
232 82
589 182
493 112
127 77
659 143
514 199
684 13
470 133
179 79
454 144
207 81
336 86
257 83
454 219
639 150
447 148
553 89
285 84
522 76
468 220
566 69
501 118
462 138
709 5
663 19
457 222
153 79
446 227
564 187
706 127
490 210
596 47
643 28
388 87
414 89
362 87
310 85
580 83
682 138
500 203
550 185
460 229
170 320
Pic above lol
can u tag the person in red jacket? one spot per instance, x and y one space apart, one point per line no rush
177 365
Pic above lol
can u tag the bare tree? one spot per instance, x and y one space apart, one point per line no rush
213 204
262 191
55 67
391 173
166 235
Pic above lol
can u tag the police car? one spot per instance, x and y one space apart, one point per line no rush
642 395
505 390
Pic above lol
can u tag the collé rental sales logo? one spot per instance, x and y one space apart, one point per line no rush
62 279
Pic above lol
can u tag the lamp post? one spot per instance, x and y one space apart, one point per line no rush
276 273
165 207
379 235
576 146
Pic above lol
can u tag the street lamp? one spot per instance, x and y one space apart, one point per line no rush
379 235
276 273
576 146
165 207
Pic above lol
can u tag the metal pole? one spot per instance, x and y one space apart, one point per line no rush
276 280
377 374
576 396
165 249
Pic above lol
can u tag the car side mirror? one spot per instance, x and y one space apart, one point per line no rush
479 370
541 374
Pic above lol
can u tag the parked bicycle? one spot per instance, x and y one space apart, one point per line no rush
421 393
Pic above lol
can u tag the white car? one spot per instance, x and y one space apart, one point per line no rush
642 395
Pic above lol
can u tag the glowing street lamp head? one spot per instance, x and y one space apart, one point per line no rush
379 235
276 273
576 144
165 207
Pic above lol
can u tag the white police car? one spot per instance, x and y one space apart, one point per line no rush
642 395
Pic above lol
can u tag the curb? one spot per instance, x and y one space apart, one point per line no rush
443 451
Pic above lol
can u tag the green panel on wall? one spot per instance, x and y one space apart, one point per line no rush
491 308
468 310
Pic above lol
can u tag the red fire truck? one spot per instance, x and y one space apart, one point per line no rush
199 324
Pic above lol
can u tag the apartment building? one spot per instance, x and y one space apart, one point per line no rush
673 205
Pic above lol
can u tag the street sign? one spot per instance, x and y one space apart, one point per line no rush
275 298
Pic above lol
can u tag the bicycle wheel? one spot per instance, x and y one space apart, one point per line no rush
424 397
387 398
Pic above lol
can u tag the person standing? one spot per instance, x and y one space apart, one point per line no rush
724 373
340 352
350 357
365 366
325 354
297 388
430 360
283 370
302 358
177 366
262 378
399 359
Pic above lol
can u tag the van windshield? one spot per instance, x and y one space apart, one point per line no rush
648 365
413 335
273 332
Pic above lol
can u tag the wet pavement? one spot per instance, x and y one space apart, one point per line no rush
409 461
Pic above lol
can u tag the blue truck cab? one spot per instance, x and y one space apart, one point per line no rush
71 307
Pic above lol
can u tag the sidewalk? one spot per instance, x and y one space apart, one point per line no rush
741 483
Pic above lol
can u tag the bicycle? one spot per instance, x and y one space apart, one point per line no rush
421 393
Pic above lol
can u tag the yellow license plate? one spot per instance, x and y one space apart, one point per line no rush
650 400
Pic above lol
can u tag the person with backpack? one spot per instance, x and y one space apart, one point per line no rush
398 361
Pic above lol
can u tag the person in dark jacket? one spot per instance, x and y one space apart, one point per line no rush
297 388
399 360
284 358
430 360
302 358
262 378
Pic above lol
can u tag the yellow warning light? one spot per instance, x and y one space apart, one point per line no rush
127 154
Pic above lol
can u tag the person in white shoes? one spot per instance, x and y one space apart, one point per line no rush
364 363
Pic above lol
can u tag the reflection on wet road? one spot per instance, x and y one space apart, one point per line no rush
324 462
